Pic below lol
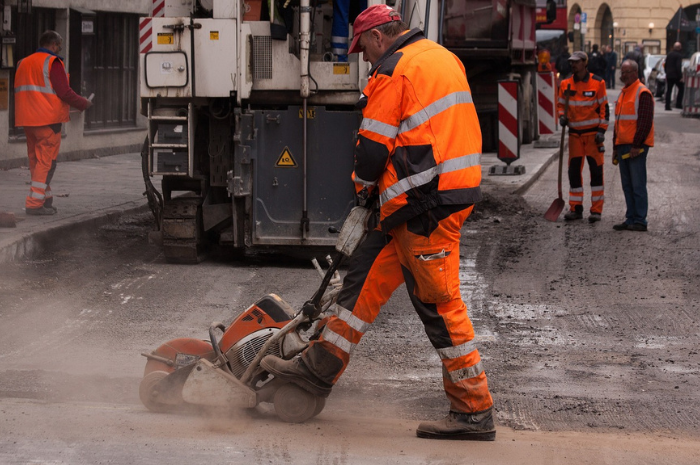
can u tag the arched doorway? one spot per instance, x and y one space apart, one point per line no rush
574 26
604 25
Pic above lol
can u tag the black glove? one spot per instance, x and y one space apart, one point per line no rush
563 121
600 138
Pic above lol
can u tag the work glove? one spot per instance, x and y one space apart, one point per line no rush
600 137
563 121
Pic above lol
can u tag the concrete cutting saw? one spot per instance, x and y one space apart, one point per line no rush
226 372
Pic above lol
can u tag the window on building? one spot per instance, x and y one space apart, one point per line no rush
110 70
651 47
27 28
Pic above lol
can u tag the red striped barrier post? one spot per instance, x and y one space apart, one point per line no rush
546 109
508 133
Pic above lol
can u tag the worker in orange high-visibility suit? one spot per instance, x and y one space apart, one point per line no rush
419 149
42 100
587 117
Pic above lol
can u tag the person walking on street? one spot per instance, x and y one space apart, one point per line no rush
597 63
562 64
418 149
588 117
636 55
611 67
633 136
674 75
42 101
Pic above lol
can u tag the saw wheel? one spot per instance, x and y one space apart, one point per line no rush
295 405
148 392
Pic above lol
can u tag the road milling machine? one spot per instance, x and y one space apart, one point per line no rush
252 121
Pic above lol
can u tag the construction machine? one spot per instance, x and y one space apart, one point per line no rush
252 120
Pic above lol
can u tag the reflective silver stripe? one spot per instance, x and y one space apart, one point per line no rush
352 321
339 51
433 109
457 351
36 195
339 40
46 89
359 180
337 340
583 103
636 106
597 197
627 117
603 99
463 373
576 189
39 185
588 122
597 188
419 179
377 127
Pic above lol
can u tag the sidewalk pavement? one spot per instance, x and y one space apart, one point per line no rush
92 192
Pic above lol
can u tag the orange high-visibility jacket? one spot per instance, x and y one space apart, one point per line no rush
419 140
626 115
36 102
588 104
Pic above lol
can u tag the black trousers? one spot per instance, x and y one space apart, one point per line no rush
669 91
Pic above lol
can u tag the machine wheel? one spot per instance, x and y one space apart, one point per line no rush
148 393
320 404
295 405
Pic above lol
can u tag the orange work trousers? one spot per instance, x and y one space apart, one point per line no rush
423 253
580 146
43 144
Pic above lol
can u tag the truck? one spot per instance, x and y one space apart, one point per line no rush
252 121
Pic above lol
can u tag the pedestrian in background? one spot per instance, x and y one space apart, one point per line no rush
562 64
43 98
674 75
587 118
596 62
636 55
418 148
633 136
610 67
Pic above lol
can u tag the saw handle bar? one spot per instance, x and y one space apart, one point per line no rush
312 308
212 338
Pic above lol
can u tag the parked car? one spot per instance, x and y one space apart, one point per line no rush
649 62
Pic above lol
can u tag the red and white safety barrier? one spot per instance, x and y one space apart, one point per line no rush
145 26
508 134
546 108
691 96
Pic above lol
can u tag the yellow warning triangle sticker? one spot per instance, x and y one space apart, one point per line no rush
286 159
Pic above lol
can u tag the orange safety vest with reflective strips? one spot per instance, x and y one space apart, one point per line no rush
626 115
588 104
420 139
36 102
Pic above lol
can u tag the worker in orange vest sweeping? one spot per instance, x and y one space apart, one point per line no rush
588 117
43 98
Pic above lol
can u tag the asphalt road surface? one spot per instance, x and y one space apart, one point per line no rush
589 338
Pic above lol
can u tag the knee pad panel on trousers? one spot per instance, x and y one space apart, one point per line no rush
322 363
596 171
575 168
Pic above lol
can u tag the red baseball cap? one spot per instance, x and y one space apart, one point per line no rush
374 16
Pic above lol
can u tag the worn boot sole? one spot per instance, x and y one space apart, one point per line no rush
462 436
299 381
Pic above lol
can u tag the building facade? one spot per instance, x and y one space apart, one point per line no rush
100 52
654 25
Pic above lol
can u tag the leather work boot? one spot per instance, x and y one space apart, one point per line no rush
594 217
573 215
295 371
462 426
41 211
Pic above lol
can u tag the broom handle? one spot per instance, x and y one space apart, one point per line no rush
563 133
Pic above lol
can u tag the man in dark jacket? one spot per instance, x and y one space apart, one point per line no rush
611 66
636 56
674 75
596 62
562 64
